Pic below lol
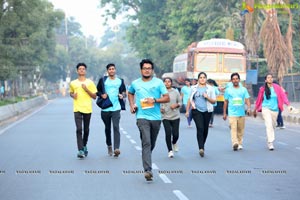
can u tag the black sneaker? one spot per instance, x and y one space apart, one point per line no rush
148 176
235 147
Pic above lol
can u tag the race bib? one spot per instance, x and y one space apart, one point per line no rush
237 101
145 104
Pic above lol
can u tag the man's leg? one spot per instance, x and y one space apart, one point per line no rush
116 127
86 126
78 123
233 131
144 128
240 131
106 118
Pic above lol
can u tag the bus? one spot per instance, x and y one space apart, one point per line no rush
218 58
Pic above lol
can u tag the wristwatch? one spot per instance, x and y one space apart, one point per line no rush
154 100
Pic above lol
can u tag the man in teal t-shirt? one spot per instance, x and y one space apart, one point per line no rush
115 89
235 99
145 95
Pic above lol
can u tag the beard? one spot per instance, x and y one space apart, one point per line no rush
146 77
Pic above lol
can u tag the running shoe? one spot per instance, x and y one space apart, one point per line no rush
80 154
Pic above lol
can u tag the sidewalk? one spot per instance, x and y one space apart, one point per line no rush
289 117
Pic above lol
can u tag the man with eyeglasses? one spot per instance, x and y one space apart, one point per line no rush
145 95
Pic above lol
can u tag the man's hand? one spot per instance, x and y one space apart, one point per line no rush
104 96
133 108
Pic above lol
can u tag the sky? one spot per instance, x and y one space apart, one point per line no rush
85 12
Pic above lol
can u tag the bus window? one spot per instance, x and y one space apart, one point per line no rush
233 63
206 62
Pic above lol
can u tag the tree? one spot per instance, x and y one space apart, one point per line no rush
275 33
27 35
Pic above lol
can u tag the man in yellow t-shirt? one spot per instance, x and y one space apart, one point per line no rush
82 90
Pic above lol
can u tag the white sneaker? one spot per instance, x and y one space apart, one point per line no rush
282 127
170 154
240 147
175 147
271 146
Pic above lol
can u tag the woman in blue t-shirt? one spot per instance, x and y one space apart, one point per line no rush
201 99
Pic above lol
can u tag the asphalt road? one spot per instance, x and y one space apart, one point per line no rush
38 161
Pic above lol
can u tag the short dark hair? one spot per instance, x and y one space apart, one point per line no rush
234 74
187 79
168 78
148 61
110 65
81 64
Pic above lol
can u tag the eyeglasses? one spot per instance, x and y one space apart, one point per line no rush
148 69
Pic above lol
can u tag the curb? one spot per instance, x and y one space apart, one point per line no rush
16 109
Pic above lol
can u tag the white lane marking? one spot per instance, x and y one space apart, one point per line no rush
180 195
282 143
125 132
298 148
128 136
132 141
21 120
165 178
154 166
138 148
121 129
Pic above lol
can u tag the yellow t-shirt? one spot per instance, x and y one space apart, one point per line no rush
83 103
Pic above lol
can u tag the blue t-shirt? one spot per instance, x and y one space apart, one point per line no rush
185 90
271 103
200 101
112 90
236 100
154 88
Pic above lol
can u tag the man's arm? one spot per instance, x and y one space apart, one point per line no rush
224 109
247 101
164 99
92 95
132 105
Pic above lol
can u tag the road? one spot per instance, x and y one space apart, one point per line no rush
38 161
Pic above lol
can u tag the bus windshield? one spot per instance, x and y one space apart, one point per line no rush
206 62
233 63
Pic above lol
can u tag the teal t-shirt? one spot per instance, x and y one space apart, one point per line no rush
112 90
154 88
185 90
271 103
236 100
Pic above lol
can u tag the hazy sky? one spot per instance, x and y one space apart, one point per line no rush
86 12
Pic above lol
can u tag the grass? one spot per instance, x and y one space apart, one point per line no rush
7 101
